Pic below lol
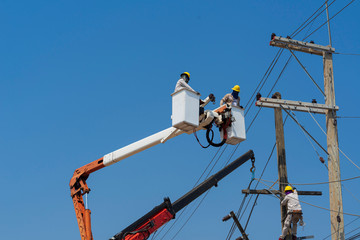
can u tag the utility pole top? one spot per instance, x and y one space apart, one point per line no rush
306 47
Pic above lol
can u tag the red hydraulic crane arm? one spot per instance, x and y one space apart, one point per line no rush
78 188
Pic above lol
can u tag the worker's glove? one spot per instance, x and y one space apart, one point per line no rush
212 97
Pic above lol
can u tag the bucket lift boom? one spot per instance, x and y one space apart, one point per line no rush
181 114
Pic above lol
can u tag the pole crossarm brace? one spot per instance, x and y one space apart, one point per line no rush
266 191
295 105
300 46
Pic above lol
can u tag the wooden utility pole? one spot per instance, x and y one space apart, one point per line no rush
336 205
281 157
336 216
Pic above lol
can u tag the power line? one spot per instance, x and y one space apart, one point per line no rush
354 54
338 148
341 228
318 183
310 204
190 215
303 67
305 130
182 212
328 20
265 77
293 34
346 117
232 229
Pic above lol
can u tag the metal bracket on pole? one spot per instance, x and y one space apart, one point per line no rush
295 105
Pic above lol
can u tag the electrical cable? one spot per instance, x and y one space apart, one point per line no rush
310 204
190 215
353 54
200 201
275 59
339 229
346 117
179 215
328 20
293 35
356 236
304 130
308 184
338 147
252 209
264 79
303 67
231 231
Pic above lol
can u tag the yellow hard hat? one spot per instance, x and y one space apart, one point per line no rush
288 188
186 73
236 88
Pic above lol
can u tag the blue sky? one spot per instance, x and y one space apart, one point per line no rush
82 79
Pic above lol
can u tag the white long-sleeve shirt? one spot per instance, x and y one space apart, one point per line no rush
292 202
229 99
182 84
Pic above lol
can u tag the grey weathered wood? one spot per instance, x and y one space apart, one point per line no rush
281 157
295 105
265 191
336 205
300 46
236 220
292 108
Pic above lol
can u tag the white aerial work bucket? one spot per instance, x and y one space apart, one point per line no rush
185 110
236 132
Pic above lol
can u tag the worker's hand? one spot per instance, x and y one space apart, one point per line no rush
212 97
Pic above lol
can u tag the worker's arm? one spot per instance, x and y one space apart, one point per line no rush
182 84
238 102
223 100
284 202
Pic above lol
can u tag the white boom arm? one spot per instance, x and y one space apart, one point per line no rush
140 145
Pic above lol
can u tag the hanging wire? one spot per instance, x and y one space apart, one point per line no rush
306 23
338 147
329 19
264 79
232 229
316 183
303 67
290 56
297 122
182 212
310 204
340 229
353 54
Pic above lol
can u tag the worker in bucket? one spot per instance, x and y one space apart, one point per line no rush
182 83
294 213
232 98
